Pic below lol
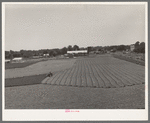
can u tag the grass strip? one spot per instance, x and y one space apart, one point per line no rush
26 80
129 59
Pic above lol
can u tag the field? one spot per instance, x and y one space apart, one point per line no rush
18 65
42 67
131 57
22 81
25 63
102 72
99 82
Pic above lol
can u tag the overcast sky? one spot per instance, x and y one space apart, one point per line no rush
39 26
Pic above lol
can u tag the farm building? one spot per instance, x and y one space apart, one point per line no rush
77 52
46 55
132 47
18 59
7 60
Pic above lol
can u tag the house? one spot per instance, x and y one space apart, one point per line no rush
46 55
132 47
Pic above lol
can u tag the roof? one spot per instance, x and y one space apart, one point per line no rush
6 60
79 51
19 58
46 54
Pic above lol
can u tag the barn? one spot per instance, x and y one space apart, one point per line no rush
18 59
46 55
7 60
77 53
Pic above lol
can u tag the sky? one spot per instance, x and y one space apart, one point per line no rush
49 26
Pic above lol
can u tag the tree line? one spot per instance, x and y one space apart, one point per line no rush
139 48
30 53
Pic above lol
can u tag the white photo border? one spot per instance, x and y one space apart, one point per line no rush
83 114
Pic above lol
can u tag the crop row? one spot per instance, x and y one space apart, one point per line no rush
100 72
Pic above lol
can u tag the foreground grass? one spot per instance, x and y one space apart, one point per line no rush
27 80
66 97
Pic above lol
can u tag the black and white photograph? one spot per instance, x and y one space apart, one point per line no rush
75 61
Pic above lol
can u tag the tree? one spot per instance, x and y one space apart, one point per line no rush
75 47
64 50
11 54
82 48
142 47
139 47
137 44
45 52
28 54
7 55
58 51
17 54
142 44
54 53
99 49
51 53
69 48
89 49
22 52
121 48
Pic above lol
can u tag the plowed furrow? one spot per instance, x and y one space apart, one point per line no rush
94 76
63 81
131 80
131 76
117 82
99 79
51 78
61 77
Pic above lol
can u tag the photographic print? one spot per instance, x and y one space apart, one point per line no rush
75 61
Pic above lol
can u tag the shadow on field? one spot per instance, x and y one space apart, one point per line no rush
27 80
